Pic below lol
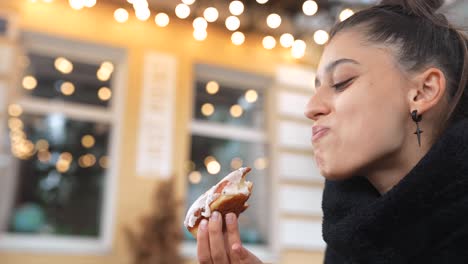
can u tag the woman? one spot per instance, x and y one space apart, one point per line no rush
390 136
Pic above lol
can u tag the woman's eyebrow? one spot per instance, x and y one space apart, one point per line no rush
331 67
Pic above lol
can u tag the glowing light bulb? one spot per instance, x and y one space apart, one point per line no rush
15 110
236 111
67 88
211 14
321 37
143 14
232 23
104 93
236 7
29 83
269 42
273 21
77 4
162 19
121 15
262 1
345 14
200 35
200 23
63 65
207 109
195 177
182 11
212 87
251 96
286 40
213 167
88 141
309 8
298 49
238 38
188 2
236 163
89 3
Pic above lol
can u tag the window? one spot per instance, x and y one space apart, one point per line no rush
62 131
229 131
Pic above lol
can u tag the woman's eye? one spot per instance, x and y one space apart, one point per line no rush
344 84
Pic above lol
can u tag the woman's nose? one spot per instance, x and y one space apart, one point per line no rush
316 107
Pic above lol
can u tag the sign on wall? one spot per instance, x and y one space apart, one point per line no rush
155 133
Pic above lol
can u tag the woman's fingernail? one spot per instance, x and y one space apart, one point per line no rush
215 216
230 218
204 224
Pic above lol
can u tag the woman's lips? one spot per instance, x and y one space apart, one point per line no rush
319 132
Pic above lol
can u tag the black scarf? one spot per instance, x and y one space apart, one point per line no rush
422 219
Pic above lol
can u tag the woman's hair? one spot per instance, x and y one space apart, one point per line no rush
422 38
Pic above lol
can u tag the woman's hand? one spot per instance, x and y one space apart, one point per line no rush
216 247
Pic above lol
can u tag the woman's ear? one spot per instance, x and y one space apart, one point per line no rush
428 90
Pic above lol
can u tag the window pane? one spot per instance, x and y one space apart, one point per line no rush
230 155
60 166
215 102
64 79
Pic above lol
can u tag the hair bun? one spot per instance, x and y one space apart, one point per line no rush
423 8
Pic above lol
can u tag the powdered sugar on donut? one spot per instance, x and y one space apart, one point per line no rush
235 185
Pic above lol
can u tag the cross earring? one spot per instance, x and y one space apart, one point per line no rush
417 118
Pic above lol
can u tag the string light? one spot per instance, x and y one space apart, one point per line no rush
273 21
200 35
67 88
269 42
121 15
104 93
207 109
236 111
42 145
238 38
262 1
321 37
286 40
211 14
236 163
195 177
161 19
208 159
88 3
182 11
213 167
188 2
200 23
104 162
143 14
251 96
261 163
63 65
29 83
345 14
236 8
77 4
15 110
88 141
298 49
212 87
309 8
232 23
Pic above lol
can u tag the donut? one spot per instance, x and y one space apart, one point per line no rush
228 196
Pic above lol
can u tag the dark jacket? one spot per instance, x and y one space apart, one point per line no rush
422 219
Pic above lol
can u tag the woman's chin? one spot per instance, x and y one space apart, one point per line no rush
334 175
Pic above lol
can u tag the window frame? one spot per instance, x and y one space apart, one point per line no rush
78 50
244 81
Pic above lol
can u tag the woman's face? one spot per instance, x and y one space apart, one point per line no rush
360 97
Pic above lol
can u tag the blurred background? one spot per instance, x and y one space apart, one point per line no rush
115 115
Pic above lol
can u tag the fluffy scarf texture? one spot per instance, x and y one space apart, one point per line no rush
423 219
